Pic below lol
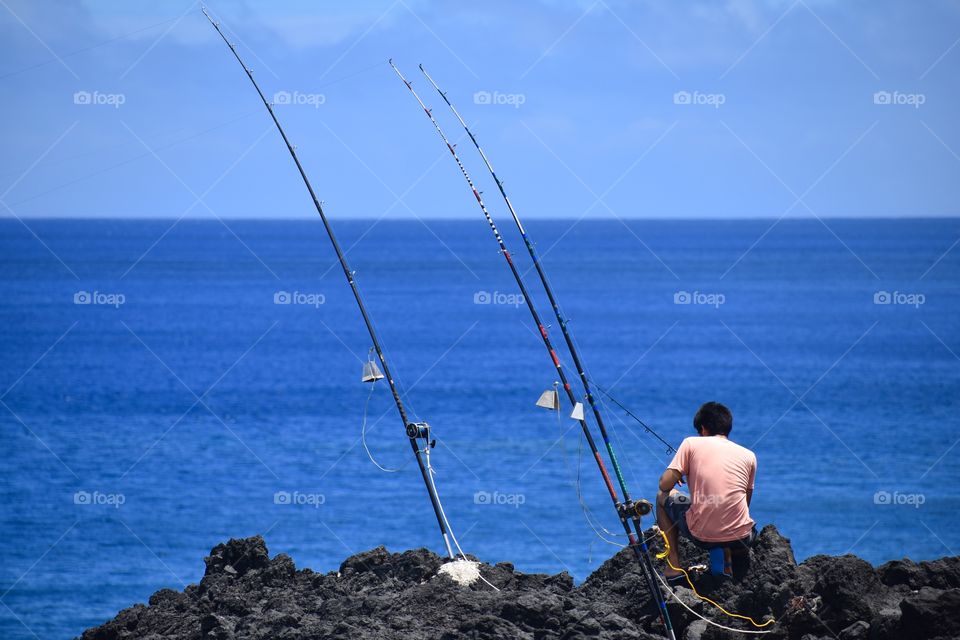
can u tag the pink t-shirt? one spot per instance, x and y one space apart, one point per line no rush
719 473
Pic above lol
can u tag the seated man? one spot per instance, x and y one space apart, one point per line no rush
720 474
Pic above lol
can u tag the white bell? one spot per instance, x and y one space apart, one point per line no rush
577 413
371 372
549 399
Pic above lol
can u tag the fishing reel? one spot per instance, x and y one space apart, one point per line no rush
420 431
635 508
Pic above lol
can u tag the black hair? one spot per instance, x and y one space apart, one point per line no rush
715 418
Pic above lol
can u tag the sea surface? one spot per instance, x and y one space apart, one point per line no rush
158 400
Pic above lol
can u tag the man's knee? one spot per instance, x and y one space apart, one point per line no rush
663 495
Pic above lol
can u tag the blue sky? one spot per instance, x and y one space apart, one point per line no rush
601 108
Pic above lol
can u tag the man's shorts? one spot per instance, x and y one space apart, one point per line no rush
676 505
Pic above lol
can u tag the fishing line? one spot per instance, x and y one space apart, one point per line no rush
647 428
591 519
701 616
588 516
363 436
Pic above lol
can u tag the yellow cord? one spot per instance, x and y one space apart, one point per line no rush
666 556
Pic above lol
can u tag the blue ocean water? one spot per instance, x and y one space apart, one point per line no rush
182 406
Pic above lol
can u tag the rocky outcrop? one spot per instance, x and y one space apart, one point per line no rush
246 595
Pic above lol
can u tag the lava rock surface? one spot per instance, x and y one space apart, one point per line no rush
246 595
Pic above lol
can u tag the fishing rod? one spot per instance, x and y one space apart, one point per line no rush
627 510
416 431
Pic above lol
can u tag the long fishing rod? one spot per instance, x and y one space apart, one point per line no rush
626 510
416 431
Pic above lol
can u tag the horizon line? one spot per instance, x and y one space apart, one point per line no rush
305 218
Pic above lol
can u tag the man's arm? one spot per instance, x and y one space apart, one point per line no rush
749 495
669 480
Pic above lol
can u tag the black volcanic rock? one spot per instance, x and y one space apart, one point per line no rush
246 595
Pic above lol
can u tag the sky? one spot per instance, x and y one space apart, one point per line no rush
587 108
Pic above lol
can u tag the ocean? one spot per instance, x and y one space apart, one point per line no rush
167 387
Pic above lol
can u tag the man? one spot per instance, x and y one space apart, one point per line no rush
721 475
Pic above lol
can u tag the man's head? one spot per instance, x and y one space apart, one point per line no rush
713 419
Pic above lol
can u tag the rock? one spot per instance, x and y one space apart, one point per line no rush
237 556
859 630
847 586
695 630
931 613
901 572
246 595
